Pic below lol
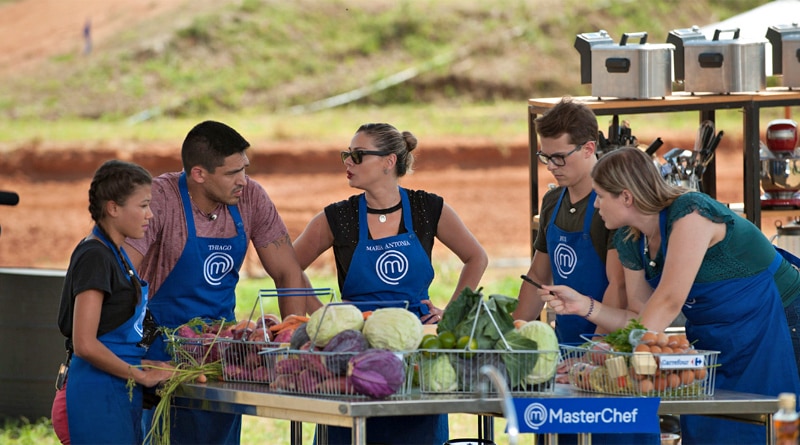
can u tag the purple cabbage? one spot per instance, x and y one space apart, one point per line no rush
342 347
376 373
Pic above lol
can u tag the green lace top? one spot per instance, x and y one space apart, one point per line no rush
744 251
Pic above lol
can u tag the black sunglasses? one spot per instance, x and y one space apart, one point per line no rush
358 155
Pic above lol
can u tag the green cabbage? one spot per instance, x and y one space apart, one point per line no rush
438 374
332 319
545 337
393 328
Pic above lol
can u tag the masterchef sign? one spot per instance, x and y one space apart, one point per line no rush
589 415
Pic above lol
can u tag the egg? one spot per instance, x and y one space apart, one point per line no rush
673 380
649 338
646 385
662 339
687 376
660 383
700 374
673 340
641 347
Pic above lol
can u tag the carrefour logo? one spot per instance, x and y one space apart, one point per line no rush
391 267
216 266
565 259
682 361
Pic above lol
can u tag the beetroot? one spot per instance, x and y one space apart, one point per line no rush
342 347
284 336
299 337
186 331
377 373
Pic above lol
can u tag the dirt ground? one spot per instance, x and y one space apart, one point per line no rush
488 187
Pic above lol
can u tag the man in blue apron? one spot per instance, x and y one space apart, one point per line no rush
204 218
573 246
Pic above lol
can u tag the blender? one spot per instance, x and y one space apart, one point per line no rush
780 166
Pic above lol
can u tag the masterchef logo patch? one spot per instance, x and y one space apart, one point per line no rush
216 266
565 259
391 267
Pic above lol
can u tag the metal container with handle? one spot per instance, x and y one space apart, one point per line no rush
785 40
719 65
627 70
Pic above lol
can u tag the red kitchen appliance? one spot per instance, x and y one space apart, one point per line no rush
780 166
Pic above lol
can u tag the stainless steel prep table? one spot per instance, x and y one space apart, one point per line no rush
258 400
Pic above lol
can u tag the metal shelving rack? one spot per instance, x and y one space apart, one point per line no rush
706 105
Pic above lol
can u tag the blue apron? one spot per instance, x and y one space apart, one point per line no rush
202 284
575 263
391 269
99 408
743 319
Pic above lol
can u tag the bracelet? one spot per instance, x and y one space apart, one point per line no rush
591 308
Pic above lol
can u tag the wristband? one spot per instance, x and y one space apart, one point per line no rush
591 308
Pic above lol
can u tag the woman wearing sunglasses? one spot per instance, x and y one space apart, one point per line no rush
382 241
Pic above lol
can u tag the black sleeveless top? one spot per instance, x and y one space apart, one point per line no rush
426 208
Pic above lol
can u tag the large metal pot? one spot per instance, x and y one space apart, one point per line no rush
787 237
718 65
627 70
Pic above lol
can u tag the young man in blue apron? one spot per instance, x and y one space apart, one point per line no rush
573 246
204 218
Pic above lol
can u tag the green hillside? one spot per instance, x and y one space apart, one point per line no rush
265 56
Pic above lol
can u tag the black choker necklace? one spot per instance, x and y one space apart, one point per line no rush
383 212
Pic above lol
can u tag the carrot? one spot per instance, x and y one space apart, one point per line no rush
366 314
288 322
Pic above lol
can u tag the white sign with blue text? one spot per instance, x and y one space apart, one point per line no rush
589 415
